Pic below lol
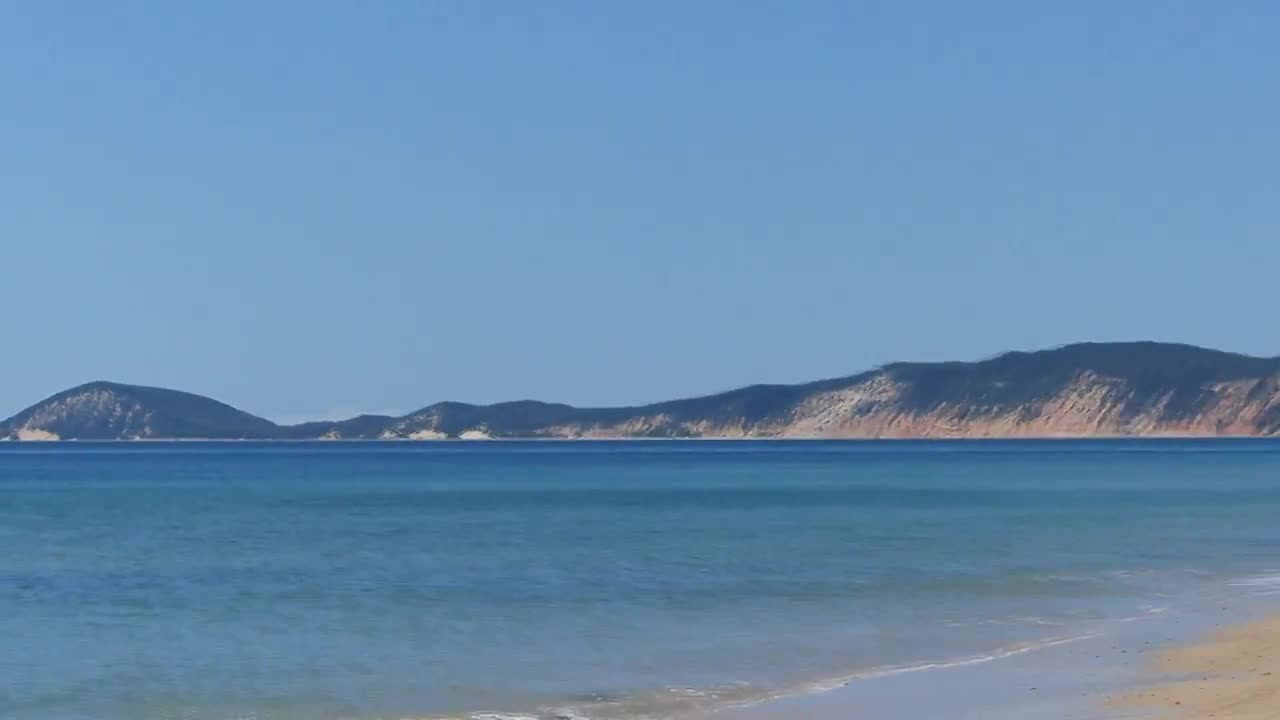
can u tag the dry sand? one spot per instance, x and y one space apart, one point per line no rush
1234 675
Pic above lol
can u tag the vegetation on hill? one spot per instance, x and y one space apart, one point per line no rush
1083 389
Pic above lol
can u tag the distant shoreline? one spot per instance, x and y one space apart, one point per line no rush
716 439
1087 390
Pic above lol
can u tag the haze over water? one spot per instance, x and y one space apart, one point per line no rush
314 581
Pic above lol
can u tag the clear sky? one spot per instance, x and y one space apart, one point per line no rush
310 209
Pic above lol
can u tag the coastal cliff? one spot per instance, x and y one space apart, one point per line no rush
1082 390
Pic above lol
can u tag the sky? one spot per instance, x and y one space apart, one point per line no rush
313 209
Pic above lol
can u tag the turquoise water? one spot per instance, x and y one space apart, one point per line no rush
276 581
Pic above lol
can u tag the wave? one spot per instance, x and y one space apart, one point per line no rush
998 654
1267 583
1147 611
1002 621
679 702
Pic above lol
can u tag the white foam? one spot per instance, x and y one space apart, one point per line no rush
823 686
1011 620
1269 581
1147 611
1000 654
745 700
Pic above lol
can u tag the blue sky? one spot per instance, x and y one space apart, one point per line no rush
311 209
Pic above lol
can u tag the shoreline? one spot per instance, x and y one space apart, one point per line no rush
1232 674
1215 655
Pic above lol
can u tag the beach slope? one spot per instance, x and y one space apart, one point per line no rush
1234 675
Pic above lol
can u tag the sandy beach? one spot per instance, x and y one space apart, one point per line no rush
1232 675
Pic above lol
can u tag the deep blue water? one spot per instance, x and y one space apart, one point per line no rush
318 581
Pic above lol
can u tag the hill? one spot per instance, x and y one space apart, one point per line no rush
1082 390
112 411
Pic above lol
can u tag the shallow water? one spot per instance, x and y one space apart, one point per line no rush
318 581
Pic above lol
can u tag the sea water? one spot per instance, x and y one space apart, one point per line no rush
354 581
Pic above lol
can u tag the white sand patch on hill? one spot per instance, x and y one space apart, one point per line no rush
36 435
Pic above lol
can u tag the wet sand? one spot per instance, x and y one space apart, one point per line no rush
1232 675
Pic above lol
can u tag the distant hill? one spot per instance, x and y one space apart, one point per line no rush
1082 390
111 411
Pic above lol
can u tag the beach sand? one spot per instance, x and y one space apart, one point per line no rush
1233 675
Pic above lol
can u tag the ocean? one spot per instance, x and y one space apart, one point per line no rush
622 580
